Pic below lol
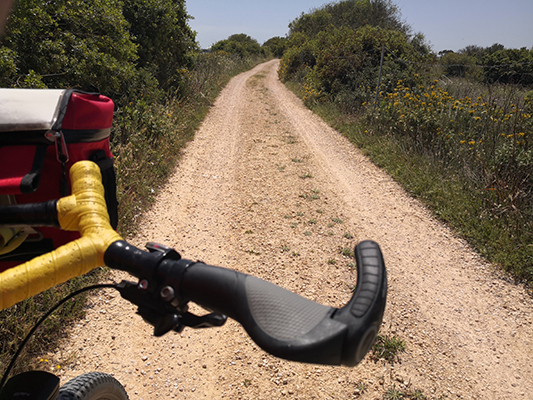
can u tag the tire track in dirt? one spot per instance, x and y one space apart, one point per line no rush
268 188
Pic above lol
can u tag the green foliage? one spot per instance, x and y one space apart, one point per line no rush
409 394
163 36
488 140
335 51
70 44
457 64
509 66
121 49
239 44
8 65
352 14
347 60
493 64
276 46
388 348
298 58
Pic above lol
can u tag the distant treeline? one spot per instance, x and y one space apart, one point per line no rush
493 64
245 46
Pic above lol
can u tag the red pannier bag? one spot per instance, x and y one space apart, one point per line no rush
43 132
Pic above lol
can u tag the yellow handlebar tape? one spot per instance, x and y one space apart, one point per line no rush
84 211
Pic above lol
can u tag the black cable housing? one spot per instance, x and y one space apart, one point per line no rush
42 319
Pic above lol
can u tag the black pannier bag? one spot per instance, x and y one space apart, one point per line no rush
43 132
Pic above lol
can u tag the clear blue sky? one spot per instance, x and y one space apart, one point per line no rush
446 24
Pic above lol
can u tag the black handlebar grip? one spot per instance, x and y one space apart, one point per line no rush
364 312
290 326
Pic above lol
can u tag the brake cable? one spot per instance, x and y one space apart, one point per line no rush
43 318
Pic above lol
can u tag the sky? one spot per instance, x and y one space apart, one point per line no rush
446 24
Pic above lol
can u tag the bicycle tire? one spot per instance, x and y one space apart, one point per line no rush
93 386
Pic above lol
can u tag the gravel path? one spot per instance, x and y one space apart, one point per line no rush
269 189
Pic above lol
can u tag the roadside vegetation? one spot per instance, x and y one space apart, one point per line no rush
455 129
144 56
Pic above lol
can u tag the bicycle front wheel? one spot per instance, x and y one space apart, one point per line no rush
93 386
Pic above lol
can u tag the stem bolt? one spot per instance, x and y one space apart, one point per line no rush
167 293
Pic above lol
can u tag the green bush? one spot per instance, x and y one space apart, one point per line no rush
276 46
160 30
342 64
239 44
70 44
120 49
352 14
457 64
335 51
509 66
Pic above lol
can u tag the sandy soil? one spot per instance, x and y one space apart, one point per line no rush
269 189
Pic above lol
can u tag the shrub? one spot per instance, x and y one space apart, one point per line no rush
509 66
70 44
276 46
456 64
239 44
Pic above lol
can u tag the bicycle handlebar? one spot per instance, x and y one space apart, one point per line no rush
279 321
290 326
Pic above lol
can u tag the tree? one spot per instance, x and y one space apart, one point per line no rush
347 60
240 44
161 31
68 43
276 45
336 50
442 53
352 14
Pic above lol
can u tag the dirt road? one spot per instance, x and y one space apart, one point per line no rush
267 188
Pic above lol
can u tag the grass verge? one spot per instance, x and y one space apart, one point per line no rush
147 139
450 196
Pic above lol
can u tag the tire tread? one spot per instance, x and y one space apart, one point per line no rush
93 386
